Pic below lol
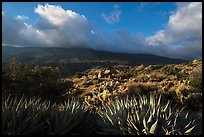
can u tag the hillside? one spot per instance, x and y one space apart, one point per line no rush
78 59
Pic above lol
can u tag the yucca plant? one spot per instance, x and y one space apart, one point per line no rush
145 116
23 116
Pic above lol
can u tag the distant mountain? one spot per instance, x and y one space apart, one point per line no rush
67 57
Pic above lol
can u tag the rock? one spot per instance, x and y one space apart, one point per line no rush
94 77
107 72
99 75
117 83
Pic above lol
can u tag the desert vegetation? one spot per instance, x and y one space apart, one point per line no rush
121 99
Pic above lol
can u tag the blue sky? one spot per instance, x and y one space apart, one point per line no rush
135 17
162 28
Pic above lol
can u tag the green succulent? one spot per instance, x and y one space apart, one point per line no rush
33 116
22 116
144 115
68 118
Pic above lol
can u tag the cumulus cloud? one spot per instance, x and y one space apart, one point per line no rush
57 27
114 16
183 35
15 32
21 17
66 26
56 15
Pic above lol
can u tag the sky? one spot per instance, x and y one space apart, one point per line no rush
162 28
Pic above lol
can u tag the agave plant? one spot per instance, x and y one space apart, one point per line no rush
34 116
145 116
23 116
67 118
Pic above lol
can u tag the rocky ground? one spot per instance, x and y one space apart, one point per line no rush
101 85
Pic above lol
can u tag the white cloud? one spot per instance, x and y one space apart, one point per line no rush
21 17
114 16
66 27
185 29
182 38
188 19
56 15
58 27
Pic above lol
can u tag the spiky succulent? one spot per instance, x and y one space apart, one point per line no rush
68 118
34 116
22 116
143 116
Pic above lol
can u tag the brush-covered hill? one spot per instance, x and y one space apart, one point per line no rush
79 59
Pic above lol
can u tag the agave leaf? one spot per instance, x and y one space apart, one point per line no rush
137 115
158 111
153 111
109 119
188 124
151 100
154 127
133 124
158 102
170 113
110 110
182 109
167 105
175 120
145 124
190 130
150 119
73 107
187 114
18 105
168 123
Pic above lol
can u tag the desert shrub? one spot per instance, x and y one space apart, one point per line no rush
196 78
141 88
145 116
190 92
183 76
169 70
123 75
33 81
194 101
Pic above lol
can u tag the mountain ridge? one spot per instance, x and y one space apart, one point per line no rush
74 58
